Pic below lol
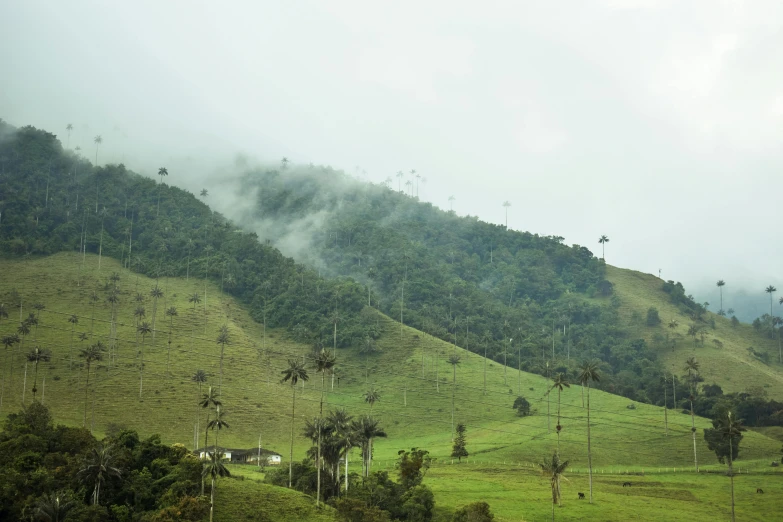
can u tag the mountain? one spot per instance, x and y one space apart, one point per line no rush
257 309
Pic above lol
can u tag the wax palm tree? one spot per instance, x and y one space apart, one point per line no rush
372 396
720 284
97 140
553 470
94 298
53 507
223 339
344 437
692 367
324 362
292 375
171 313
603 240
163 171
23 330
8 341
36 356
770 290
217 424
209 399
589 373
74 320
156 293
559 382
204 193
451 203
98 468
68 128
195 299
200 377
143 329
454 361
399 175
214 468
91 354
506 204
367 429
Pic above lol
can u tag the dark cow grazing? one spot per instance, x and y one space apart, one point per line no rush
759 490
626 484
581 496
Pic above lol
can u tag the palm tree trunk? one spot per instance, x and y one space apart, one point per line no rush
693 431
206 454
485 369
320 427
347 450
24 383
86 396
731 476
665 410
291 452
70 348
453 388
558 422
141 367
589 453
35 380
212 499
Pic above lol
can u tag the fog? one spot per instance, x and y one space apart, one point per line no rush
657 123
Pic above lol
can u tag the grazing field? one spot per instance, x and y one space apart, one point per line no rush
415 381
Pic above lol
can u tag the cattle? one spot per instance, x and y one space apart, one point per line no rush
581 496
759 490
626 484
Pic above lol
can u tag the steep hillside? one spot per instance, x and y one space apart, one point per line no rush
723 351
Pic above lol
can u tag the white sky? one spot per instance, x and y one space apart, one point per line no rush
658 123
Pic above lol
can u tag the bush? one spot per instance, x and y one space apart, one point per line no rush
354 510
475 512
652 317
522 406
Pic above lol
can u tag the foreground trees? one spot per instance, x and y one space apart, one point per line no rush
589 373
724 439
553 469
293 374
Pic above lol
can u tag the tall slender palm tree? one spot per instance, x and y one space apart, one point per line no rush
97 140
588 373
367 429
204 193
454 361
372 396
720 284
217 424
559 382
399 175
36 356
506 204
171 313
94 298
91 354
214 468
200 377
554 469
223 339
603 240
163 171
692 367
68 128
770 290
324 362
293 374
23 330
8 341
143 329
211 398
156 293
98 468
195 299
74 320
452 199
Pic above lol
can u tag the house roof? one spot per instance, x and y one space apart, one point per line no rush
237 451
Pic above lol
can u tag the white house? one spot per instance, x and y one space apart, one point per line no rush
268 457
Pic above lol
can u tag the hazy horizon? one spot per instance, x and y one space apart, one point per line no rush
654 122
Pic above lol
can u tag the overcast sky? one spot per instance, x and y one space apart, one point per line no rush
658 123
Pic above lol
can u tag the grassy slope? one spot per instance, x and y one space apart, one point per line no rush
504 448
730 366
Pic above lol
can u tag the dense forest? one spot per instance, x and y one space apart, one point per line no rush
517 297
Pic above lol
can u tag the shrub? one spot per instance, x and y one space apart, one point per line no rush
475 512
652 317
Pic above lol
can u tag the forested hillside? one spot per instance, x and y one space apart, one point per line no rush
56 200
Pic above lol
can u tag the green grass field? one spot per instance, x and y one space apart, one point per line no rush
415 407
